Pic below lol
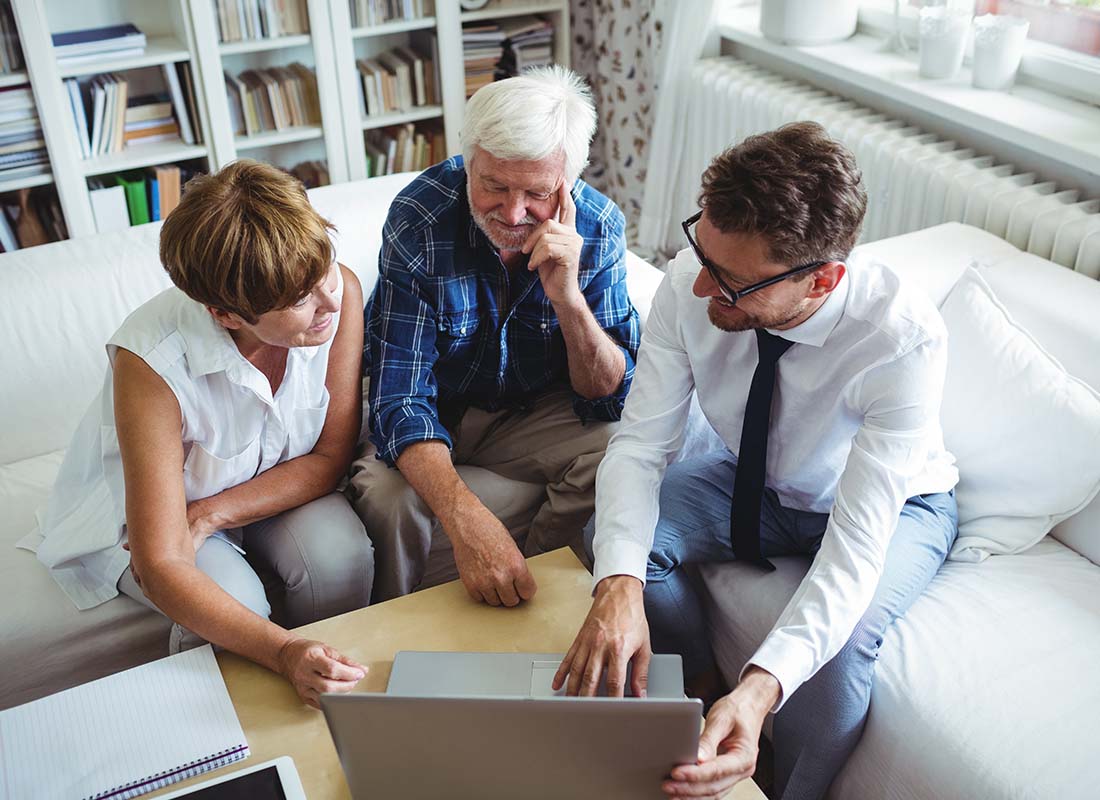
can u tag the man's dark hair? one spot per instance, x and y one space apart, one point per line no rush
797 187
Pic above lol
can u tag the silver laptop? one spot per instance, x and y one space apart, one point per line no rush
488 725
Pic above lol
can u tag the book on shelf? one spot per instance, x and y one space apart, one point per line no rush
136 197
244 20
11 51
272 99
528 42
311 173
404 148
482 48
397 80
108 119
90 44
22 149
376 12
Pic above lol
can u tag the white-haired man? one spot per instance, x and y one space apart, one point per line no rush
500 341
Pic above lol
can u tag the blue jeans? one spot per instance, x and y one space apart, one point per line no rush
821 722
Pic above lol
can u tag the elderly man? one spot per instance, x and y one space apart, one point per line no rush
823 376
500 341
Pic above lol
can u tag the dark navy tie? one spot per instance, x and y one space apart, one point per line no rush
748 485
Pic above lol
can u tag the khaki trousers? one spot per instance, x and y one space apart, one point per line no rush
535 469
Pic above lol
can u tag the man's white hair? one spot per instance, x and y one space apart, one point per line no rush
544 111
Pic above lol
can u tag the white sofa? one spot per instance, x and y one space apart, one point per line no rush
985 690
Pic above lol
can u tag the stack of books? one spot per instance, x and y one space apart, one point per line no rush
134 198
482 48
397 80
94 44
108 120
273 99
30 217
22 149
375 12
311 173
11 53
528 42
239 20
404 148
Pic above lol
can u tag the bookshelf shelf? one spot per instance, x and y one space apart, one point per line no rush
260 45
159 50
401 117
386 28
44 179
12 78
300 133
143 155
510 10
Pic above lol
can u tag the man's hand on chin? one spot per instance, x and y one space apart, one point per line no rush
490 565
730 741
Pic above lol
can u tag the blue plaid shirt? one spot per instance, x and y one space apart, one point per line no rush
449 326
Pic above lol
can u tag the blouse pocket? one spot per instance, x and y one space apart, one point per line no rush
205 474
306 429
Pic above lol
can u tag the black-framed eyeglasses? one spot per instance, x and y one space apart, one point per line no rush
733 295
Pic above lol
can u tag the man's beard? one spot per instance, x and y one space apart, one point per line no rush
500 239
748 322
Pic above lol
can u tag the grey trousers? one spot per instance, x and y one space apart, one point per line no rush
535 469
305 564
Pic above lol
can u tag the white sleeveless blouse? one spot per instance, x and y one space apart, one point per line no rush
233 429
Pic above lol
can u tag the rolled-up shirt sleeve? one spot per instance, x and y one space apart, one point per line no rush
902 402
652 431
401 352
610 304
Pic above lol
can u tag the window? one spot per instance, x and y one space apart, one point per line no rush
1072 24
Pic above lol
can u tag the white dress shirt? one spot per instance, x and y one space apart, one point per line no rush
854 433
233 429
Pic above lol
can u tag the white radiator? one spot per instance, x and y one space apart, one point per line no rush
913 179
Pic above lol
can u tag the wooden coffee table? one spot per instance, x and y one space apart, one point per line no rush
444 618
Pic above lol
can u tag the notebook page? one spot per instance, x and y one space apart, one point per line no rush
123 735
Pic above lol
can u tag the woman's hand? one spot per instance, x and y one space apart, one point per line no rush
314 667
200 523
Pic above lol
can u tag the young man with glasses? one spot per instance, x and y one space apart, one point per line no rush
823 376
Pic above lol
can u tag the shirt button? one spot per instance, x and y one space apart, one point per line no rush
462 330
543 326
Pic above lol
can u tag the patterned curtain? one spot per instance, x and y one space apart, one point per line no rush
616 46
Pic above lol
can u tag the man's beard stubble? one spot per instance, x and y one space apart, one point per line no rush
748 322
512 240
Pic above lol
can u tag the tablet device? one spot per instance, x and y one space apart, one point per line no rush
272 780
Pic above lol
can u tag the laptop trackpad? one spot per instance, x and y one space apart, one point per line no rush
542 679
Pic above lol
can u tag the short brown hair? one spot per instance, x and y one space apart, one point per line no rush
246 240
795 186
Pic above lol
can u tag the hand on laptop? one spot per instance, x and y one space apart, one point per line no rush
314 667
729 744
490 565
614 634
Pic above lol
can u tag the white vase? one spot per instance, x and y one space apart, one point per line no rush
942 41
803 22
998 46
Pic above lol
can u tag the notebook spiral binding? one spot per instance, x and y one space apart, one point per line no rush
168 777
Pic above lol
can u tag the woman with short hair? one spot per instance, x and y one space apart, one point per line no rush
228 417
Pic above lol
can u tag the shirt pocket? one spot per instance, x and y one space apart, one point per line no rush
307 426
455 331
538 321
206 474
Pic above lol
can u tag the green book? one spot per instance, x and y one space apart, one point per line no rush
134 185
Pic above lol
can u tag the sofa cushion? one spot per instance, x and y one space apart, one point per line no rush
1058 307
940 725
48 644
1025 432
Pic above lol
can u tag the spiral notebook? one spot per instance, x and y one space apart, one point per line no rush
123 735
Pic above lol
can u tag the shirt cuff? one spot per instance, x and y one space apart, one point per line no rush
619 557
410 430
789 660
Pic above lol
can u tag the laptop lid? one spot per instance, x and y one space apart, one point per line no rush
429 674
500 747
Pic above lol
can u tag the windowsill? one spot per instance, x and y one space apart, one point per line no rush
1058 128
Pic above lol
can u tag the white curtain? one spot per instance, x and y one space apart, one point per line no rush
687 24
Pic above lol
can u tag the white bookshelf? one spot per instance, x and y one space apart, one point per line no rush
186 31
289 146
